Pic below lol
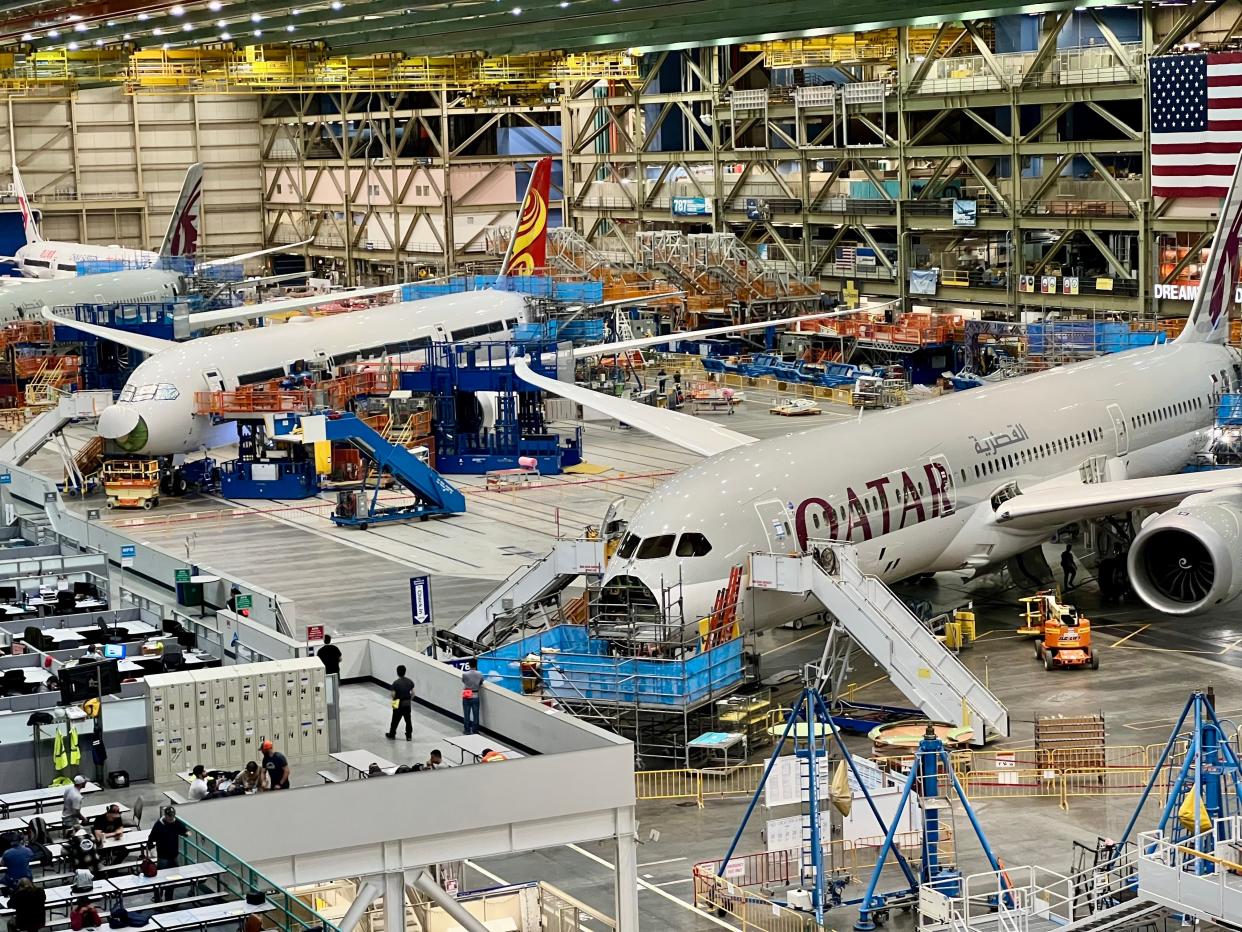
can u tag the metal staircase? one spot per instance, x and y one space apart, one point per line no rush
71 407
927 673
489 623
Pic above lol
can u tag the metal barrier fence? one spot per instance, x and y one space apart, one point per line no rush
1020 773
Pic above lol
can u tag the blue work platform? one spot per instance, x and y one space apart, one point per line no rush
578 667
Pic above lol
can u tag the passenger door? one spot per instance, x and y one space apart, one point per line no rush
777 526
1120 428
215 381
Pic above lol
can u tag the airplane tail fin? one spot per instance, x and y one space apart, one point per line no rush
23 204
528 249
181 237
1209 315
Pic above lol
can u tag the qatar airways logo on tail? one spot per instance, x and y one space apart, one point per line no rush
885 504
185 230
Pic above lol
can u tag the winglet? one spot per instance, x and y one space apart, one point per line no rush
23 204
528 249
1208 321
181 237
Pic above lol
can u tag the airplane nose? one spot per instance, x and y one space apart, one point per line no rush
116 421
125 427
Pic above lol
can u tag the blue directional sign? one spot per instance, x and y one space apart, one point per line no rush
6 478
420 599
128 552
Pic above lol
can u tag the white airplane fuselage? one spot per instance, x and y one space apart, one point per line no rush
156 413
51 259
913 487
27 299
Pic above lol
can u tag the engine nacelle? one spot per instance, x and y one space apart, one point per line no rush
1189 558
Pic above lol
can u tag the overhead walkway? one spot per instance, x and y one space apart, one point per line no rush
433 494
927 673
488 624
43 427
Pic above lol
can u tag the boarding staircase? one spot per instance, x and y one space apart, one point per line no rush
489 624
926 672
432 493
71 407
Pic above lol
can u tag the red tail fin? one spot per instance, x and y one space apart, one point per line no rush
528 250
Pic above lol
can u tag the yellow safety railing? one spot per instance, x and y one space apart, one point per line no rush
1008 773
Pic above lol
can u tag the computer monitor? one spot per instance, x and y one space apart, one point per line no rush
83 681
83 588
114 651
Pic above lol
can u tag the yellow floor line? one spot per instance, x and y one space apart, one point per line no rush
1131 634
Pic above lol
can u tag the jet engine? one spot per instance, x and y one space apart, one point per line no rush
1188 559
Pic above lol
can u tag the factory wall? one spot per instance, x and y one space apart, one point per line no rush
106 167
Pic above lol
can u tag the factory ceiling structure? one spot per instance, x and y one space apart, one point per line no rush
492 27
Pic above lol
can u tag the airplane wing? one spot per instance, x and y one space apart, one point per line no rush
230 315
689 433
608 349
1055 505
138 341
242 257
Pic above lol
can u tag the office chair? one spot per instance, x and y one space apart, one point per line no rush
173 658
66 602
12 682
33 636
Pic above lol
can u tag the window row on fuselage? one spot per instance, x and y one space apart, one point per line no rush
1033 453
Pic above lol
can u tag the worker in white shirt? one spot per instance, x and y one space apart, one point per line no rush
198 785
71 809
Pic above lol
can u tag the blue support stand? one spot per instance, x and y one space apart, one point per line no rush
1207 773
931 765
811 713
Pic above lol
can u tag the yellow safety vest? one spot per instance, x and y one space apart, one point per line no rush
74 754
60 760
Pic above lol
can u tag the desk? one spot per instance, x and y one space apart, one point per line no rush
88 604
61 638
36 676
721 741
208 915
15 610
475 745
190 873
361 761
39 797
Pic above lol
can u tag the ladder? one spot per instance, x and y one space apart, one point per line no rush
724 612
625 333
927 673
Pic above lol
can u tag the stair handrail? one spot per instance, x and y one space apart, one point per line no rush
870 588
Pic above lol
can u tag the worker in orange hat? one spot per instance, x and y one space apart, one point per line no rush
277 767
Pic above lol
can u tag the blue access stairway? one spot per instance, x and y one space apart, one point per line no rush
433 495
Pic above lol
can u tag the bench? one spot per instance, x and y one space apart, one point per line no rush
176 798
329 777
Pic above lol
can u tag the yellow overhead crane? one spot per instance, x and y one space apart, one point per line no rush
879 45
224 68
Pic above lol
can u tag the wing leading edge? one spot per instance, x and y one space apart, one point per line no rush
689 433
1063 504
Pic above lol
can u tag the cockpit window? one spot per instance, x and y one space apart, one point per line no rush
655 547
629 543
693 544
161 391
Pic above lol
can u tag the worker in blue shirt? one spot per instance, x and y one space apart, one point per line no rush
16 862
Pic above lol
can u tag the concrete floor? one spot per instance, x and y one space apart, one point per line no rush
1149 662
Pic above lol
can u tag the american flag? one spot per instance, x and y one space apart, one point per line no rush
1196 123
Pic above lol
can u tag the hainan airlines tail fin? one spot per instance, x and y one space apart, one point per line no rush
23 204
1209 315
181 237
528 249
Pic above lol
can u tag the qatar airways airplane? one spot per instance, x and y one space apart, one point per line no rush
965 481
156 414
40 258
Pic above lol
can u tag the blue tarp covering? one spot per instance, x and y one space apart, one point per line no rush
582 668
1086 337
1229 410
584 331
538 285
